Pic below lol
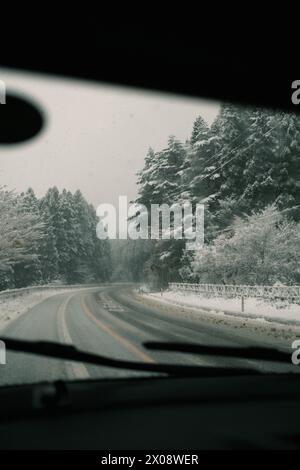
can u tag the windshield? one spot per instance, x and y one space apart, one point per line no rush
138 217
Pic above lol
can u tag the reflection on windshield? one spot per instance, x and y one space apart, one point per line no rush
142 218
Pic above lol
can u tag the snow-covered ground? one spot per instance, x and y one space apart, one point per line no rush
253 308
11 308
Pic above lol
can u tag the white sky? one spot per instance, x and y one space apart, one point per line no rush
96 136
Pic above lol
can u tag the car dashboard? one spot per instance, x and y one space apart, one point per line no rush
249 412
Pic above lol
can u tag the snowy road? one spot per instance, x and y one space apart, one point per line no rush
114 321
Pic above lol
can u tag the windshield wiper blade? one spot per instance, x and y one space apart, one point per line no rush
70 353
266 354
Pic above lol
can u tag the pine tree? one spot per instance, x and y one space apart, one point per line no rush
29 272
49 253
20 232
200 163
272 172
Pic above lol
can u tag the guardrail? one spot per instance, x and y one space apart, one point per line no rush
11 293
289 293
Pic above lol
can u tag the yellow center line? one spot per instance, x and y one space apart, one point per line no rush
116 336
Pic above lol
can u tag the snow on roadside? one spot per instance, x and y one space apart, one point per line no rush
254 308
11 308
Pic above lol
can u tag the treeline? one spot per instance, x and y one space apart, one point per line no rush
245 168
49 239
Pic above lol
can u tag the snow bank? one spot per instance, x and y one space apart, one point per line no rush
253 308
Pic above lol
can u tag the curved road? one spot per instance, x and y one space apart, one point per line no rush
111 321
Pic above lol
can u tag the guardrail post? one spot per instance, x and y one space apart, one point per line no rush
243 304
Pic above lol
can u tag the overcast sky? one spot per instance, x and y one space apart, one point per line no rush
96 136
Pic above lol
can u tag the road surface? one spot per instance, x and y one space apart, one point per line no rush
111 321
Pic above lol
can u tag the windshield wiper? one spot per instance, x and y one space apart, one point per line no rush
266 354
70 353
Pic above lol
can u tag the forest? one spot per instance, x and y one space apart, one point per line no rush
49 239
245 169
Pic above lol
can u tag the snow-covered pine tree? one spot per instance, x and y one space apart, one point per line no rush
201 162
29 272
272 173
49 253
20 232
